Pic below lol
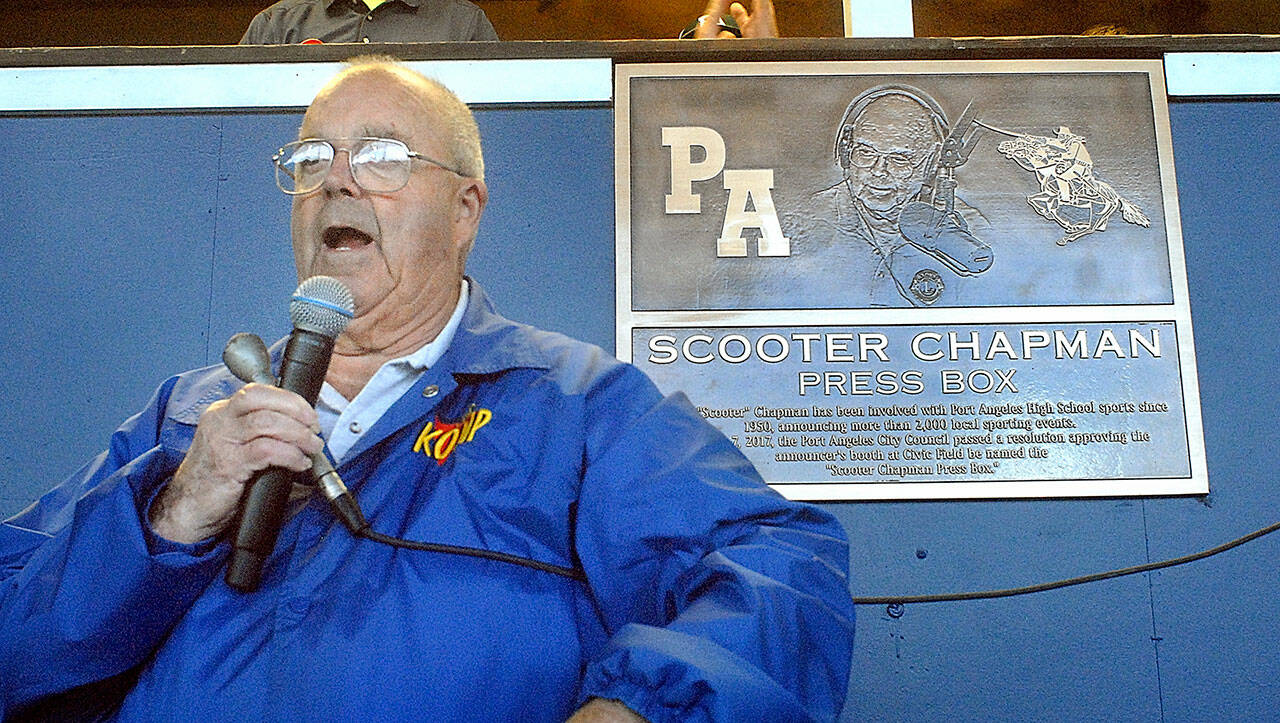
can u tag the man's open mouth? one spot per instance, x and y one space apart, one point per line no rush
345 237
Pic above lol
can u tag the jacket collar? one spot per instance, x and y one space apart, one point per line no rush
488 343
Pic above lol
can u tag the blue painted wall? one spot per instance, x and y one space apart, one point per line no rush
135 245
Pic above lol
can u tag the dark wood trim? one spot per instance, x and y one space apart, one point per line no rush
651 51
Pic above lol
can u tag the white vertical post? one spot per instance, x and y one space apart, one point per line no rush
878 19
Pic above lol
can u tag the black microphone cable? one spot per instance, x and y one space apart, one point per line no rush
346 509
897 600
246 357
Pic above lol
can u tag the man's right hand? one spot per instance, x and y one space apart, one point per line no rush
259 426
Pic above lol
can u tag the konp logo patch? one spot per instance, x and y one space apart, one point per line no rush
439 439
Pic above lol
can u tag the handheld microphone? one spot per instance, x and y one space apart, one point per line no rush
319 310
247 358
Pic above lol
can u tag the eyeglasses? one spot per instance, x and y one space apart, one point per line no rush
896 163
378 165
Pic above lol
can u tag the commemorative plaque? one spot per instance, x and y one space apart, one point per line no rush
909 280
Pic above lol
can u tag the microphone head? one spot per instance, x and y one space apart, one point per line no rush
247 358
323 305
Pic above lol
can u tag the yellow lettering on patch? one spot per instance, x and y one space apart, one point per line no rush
445 444
438 440
475 421
428 433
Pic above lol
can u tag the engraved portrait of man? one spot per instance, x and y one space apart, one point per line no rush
893 223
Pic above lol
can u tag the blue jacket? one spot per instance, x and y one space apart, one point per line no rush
707 596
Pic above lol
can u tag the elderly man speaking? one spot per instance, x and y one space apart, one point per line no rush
686 589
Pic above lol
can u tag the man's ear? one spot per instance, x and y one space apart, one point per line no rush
469 203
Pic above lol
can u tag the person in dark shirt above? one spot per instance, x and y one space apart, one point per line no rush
368 21
410 21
